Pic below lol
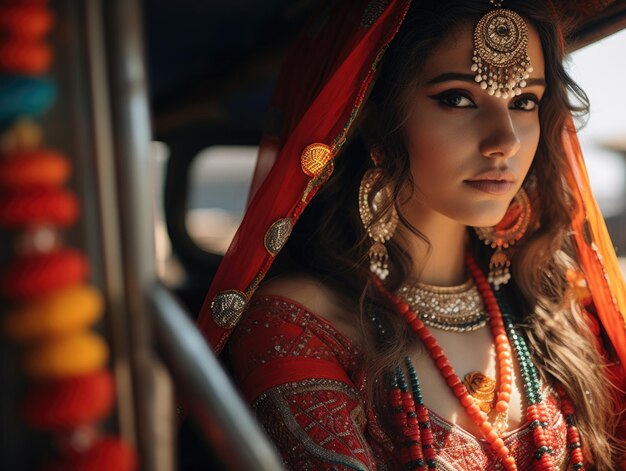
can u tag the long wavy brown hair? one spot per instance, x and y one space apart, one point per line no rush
330 243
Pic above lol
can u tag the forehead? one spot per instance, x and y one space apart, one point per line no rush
454 52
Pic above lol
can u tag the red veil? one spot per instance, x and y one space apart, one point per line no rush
322 86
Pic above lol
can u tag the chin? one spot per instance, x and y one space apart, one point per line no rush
485 217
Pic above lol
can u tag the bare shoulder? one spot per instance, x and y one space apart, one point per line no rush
307 291
316 297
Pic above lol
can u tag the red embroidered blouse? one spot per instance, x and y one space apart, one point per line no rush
307 387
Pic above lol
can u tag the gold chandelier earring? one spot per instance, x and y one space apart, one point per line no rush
505 234
379 223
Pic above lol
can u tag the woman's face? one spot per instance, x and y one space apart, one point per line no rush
469 151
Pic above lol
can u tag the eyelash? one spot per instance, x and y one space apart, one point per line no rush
441 97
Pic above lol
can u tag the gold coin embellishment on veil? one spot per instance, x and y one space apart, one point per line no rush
277 235
227 308
314 158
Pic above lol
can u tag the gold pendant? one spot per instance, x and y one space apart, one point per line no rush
482 388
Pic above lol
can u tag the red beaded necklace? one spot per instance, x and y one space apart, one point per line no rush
413 420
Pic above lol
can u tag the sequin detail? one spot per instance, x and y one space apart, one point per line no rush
321 417
277 235
227 308
314 158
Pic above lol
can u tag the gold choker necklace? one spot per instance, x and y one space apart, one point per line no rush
456 308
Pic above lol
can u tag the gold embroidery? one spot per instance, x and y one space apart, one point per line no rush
255 284
227 308
319 180
276 401
314 158
277 235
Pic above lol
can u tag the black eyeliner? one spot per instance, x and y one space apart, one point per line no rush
529 96
439 97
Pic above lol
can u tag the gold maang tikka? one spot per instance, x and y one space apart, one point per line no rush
500 58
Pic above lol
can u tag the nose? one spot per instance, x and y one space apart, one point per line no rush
500 139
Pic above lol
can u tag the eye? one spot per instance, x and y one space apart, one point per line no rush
454 99
526 103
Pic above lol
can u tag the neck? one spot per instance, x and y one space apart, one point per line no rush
441 260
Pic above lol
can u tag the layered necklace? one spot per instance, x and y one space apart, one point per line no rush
411 417
455 308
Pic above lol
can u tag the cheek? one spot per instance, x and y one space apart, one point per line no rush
428 164
434 149
530 142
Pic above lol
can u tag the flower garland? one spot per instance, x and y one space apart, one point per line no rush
52 306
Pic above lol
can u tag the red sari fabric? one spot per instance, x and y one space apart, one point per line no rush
306 384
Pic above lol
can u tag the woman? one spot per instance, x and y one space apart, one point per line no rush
442 301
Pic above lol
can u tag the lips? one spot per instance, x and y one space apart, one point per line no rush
495 175
494 182
493 187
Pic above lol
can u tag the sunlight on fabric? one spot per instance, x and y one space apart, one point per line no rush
600 69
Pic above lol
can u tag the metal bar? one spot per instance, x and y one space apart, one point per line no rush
108 210
135 173
214 403
128 171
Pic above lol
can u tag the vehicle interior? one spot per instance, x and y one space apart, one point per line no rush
158 107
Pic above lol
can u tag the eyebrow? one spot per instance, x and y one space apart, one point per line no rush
448 76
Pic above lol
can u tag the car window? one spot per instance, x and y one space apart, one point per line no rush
219 180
